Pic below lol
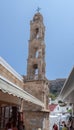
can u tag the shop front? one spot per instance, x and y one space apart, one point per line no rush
13 96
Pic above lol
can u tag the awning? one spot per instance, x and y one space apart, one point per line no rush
10 88
67 92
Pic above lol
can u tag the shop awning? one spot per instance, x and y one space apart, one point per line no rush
8 87
67 92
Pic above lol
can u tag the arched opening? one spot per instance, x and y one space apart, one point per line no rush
37 53
36 71
35 66
37 33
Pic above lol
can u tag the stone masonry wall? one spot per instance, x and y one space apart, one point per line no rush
35 116
9 76
35 88
39 89
34 120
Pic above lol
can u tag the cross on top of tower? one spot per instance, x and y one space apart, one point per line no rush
38 9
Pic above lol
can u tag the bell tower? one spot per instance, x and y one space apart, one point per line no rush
35 81
36 57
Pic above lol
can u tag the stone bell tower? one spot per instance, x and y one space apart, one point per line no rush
35 81
36 57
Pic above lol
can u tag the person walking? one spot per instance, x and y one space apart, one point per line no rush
64 127
55 127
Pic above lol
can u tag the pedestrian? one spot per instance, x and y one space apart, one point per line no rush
55 127
64 127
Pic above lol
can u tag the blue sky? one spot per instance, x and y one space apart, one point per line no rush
15 16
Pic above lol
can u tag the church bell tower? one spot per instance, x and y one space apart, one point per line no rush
36 57
35 82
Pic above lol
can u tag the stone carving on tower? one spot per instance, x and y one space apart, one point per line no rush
36 57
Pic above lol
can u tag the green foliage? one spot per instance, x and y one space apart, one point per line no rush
70 111
52 96
60 101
